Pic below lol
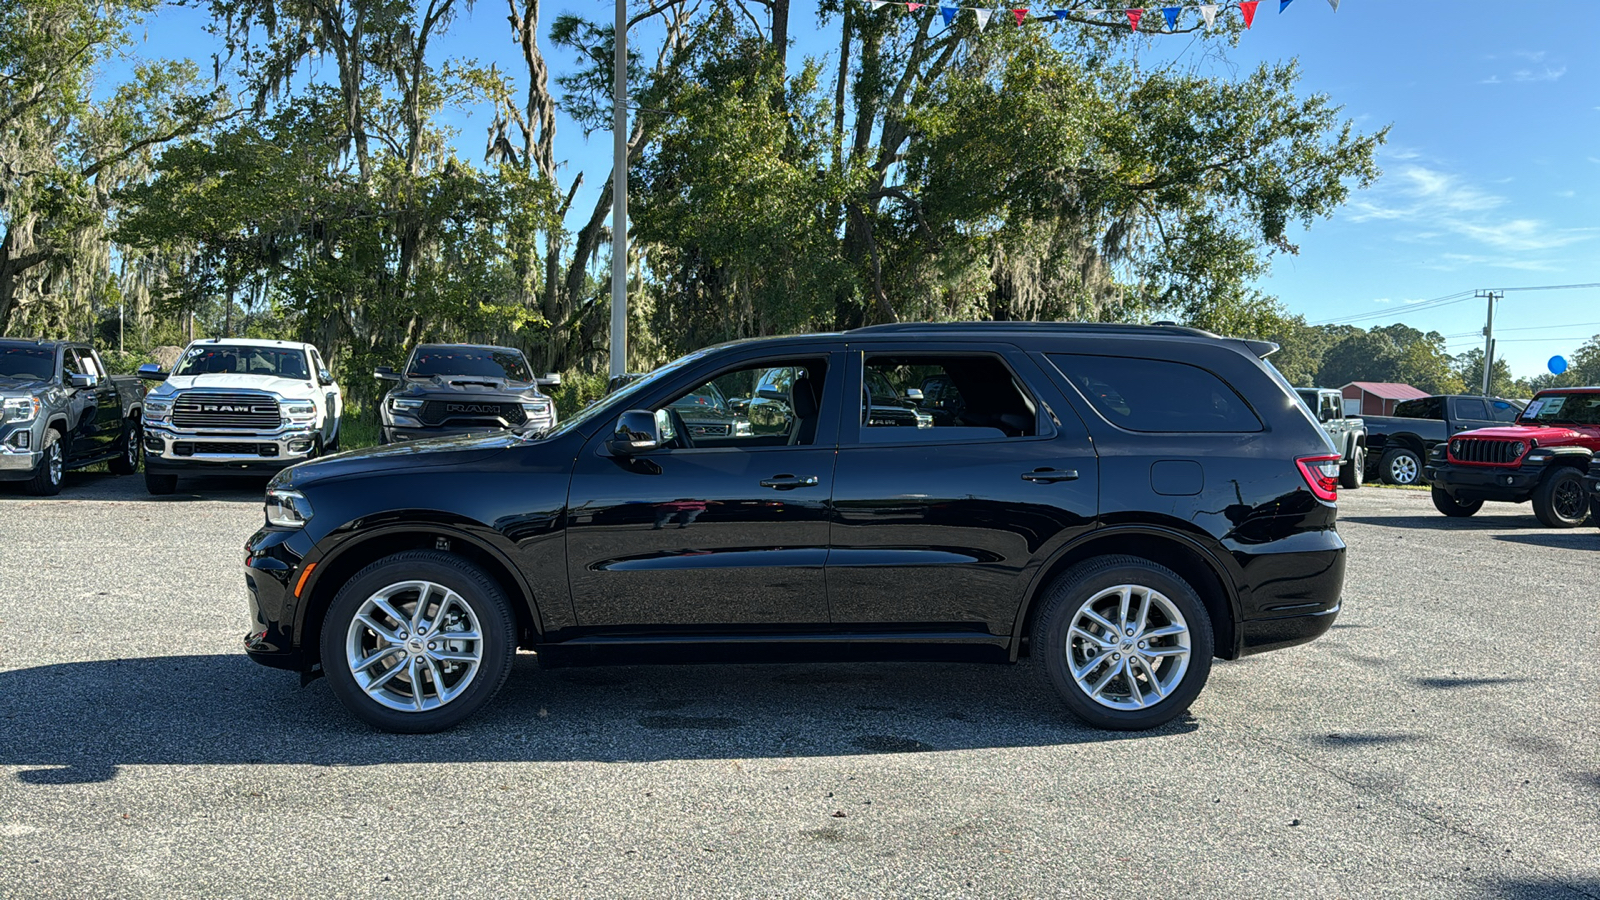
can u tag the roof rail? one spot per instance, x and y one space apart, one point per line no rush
1053 327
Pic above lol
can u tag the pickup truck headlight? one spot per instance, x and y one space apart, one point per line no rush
299 410
409 407
157 410
538 408
287 509
19 409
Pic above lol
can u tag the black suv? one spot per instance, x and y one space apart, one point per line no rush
446 389
1122 503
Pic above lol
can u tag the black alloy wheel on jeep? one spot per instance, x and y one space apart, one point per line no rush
1560 500
1450 506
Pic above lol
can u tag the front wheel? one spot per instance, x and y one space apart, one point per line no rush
1400 466
418 641
1560 501
1353 471
1450 506
128 462
1126 643
47 477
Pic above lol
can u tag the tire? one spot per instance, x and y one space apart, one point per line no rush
1075 660
52 469
1400 466
1560 500
455 587
128 462
159 485
1450 506
333 445
1350 473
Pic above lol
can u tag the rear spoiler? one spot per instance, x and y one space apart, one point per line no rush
1262 349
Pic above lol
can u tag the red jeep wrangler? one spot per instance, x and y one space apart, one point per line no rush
1543 458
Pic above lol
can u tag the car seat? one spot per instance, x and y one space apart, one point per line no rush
804 399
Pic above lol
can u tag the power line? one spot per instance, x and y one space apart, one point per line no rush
1449 299
1548 287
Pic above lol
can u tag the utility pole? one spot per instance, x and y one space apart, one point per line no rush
619 198
1488 339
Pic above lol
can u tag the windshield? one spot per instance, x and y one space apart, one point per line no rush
27 362
481 362
213 359
1563 409
614 403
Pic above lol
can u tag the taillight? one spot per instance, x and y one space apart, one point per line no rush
1322 474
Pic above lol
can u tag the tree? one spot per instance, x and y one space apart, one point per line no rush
1392 353
1469 366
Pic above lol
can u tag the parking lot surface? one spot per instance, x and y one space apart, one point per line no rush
1441 741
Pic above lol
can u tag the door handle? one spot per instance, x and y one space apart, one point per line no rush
1050 476
789 482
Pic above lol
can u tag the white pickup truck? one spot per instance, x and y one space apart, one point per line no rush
238 406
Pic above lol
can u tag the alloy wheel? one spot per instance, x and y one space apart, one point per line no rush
1403 469
414 646
1569 499
1128 647
54 462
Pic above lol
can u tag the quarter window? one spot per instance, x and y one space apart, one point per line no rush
1156 395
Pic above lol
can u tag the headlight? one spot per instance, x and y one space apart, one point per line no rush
299 410
1455 448
19 409
535 409
1517 448
157 409
405 406
289 509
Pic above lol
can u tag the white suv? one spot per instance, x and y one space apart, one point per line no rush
238 406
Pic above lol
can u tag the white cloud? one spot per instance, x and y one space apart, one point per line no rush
1533 70
1442 205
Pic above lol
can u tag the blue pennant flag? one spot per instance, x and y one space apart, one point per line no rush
1171 12
1063 13
949 13
1284 4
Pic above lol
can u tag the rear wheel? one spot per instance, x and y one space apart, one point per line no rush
1452 507
1400 466
1560 501
128 462
418 641
1125 642
52 468
159 485
1352 472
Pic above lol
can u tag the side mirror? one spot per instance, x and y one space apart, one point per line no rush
152 372
384 373
324 376
550 379
82 380
638 431
914 395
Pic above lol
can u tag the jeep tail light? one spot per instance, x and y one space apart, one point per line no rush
1322 474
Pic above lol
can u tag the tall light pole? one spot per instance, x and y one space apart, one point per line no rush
1488 341
619 198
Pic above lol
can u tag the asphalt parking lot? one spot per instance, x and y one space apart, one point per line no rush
1442 741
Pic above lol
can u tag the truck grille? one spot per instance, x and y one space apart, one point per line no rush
190 448
699 430
205 410
1477 450
438 412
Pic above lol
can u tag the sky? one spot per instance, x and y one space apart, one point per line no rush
1491 173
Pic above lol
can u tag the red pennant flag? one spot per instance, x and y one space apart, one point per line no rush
1021 14
913 7
1135 14
1248 9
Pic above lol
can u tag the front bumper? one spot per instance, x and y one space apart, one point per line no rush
169 450
19 452
1469 483
395 433
272 571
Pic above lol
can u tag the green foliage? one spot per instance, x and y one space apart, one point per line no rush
1392 353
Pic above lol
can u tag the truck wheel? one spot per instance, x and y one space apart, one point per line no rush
47 476
1560 500
1400 466
159 485
1126 643
128 462
1450 506
418 641
1350 473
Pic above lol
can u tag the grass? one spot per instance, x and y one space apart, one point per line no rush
359 428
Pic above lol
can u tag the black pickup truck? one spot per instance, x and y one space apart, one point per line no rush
60 410
1398 445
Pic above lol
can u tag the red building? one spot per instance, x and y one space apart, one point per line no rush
1376 398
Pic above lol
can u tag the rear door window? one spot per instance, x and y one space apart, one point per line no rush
943 397
1425 408
1156 395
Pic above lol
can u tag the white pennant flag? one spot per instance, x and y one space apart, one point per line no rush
1208 12
878 4
983 17
1334 4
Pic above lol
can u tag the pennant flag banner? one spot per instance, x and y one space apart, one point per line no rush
1135 14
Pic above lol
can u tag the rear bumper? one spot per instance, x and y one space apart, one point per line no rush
1296 593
